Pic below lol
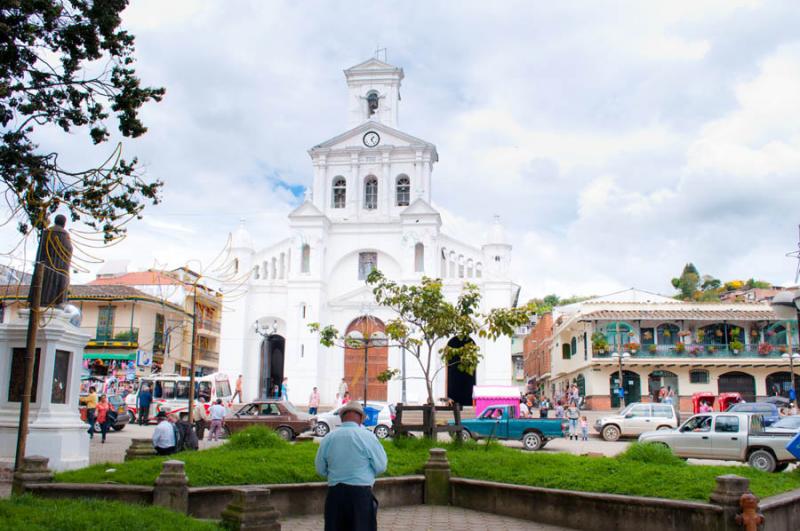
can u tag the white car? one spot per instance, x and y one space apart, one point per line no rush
324 423
637 418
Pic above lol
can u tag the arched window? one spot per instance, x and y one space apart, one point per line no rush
403 190
444 263
460 266
419 258
667 334
470 270
371 193
565 351
305 266
478 270
452 265
339 195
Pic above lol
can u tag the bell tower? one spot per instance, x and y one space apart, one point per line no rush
373 92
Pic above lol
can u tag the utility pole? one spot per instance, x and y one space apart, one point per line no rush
30 353
618 341
192 360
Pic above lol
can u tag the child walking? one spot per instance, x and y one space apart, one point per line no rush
584 428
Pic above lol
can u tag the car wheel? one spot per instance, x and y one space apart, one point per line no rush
322 429
762 460
663 428
464 435
97 428
285 433
381 431
532 441
611 433
119 427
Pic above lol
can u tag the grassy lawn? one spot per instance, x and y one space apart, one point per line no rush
29 513
257 457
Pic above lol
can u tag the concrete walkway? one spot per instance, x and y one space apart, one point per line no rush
433 518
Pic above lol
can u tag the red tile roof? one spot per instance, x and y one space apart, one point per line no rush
697 314
88 293
137 278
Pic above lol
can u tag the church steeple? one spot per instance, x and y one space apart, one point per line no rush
374 92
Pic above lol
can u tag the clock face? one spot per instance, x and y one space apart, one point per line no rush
371 139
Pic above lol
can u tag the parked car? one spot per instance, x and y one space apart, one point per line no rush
119 407
326 422
785 424
279 415
727 436
768 411
637 418
501 422
385 425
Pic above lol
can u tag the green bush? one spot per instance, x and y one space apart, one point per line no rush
32 514
255 437
651 453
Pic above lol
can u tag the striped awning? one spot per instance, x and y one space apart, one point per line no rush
127 356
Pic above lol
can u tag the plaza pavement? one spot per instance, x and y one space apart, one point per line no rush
430 517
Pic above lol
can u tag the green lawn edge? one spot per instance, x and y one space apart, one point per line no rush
284 463
30 513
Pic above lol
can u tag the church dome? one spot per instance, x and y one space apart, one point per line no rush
241 238
497 233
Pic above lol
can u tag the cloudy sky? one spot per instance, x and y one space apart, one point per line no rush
617 140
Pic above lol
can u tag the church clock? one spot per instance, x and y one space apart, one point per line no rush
371 139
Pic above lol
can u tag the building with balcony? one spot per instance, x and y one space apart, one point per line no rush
126 325
536 349
182 288
688 347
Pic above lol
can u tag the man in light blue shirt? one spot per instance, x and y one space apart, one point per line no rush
350 457
164 440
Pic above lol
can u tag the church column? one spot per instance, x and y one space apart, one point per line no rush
388 184
427 167
354 188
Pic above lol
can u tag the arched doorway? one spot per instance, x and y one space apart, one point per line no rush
658 379
273 350
459 383
631 384
738 382
377 358
779 383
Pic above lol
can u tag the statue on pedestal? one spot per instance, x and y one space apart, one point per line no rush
54 255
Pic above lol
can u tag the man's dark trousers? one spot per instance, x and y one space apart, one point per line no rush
350 508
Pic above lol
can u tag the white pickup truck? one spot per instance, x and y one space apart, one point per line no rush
727 437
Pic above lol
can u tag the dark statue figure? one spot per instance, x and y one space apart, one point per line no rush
372 102
55 255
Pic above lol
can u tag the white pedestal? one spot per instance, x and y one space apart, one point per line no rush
56 430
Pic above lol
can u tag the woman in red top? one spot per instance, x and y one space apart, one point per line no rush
102 415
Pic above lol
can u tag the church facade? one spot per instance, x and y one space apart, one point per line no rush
369 207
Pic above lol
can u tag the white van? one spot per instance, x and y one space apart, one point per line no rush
171 393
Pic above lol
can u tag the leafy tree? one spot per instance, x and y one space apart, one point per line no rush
425 320
688 282
710 283
551 300
733 285
66 64
753 283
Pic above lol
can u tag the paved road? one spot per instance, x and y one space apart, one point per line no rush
428 517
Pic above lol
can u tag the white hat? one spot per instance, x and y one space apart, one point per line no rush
353 405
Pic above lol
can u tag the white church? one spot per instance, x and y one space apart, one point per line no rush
370 207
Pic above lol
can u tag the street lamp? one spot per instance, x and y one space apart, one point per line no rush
786 306
266 332
621 389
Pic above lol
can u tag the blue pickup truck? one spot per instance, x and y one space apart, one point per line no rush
500 422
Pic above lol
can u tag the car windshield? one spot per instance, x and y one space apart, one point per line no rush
791 423
626 409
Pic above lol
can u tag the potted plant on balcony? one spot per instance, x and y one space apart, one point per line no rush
599 342
652 349
684 333
648 335
632 347
680 348
667 333
764 348
736 346
783 349
711 349
718 332
700 335
754 331
695 350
